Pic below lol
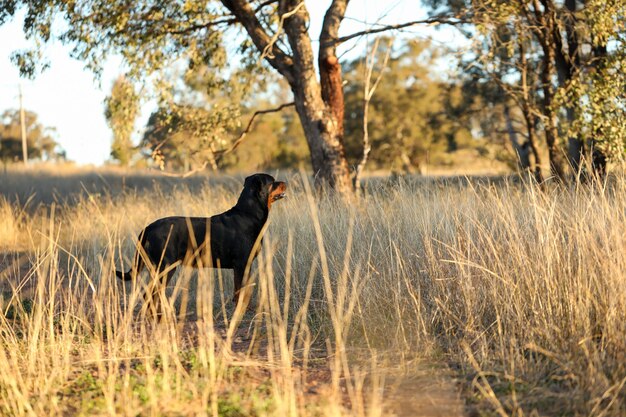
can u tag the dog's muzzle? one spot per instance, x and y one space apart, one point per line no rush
279 191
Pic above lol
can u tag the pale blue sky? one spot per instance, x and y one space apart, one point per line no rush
67 97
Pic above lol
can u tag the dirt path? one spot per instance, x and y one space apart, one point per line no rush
428 391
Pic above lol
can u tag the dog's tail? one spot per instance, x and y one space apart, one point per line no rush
138 263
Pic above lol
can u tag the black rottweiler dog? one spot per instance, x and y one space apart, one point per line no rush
173 241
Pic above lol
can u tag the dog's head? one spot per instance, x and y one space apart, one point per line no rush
264 188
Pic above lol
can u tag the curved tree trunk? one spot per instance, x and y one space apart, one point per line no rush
522 150
319 104
323 136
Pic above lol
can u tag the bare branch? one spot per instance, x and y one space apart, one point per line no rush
220 154
267 52
245 14
368 92
173 28
431 21
186 174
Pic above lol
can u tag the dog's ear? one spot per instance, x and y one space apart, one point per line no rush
253 182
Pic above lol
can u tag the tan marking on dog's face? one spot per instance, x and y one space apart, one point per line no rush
277 191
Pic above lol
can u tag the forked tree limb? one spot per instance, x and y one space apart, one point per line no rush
186 174
331 82
368 92
220 154
216 156
246 16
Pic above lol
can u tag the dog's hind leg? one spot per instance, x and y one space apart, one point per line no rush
154 296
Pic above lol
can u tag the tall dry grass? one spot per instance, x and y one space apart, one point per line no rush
521 291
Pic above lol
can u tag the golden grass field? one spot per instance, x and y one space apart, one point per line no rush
515 296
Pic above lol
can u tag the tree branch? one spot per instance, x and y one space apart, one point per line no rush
243 12
216 156
432 21
186 174
268 49
173 28
368 92
220 154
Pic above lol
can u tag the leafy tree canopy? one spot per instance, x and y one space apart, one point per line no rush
121 109
40 139
415 114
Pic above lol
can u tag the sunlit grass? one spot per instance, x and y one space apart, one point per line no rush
521 291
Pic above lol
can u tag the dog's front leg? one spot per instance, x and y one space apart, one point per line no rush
238 281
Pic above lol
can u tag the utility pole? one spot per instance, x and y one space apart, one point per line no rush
23 123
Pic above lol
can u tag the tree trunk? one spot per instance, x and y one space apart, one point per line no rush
598 163
552 135
324 139
599 158
575 148
320 105
529 117
329 66
531 122
566 67
551 122
521 149
320 108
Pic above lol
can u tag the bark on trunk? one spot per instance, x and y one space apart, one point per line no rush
552 135
329 66
324 139
521 149
598 164
566 66
575 148
319 105
551 122
320 108
529 117
531 123
599 158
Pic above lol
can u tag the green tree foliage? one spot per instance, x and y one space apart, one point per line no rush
40 139
199 116
121 110
415 115
561 64
184 137
151 37
275 140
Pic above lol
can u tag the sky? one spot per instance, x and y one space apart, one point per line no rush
67 97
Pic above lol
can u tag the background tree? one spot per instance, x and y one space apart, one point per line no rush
431 115
562 41
199 118
151 36
415 115
120 110
40 139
